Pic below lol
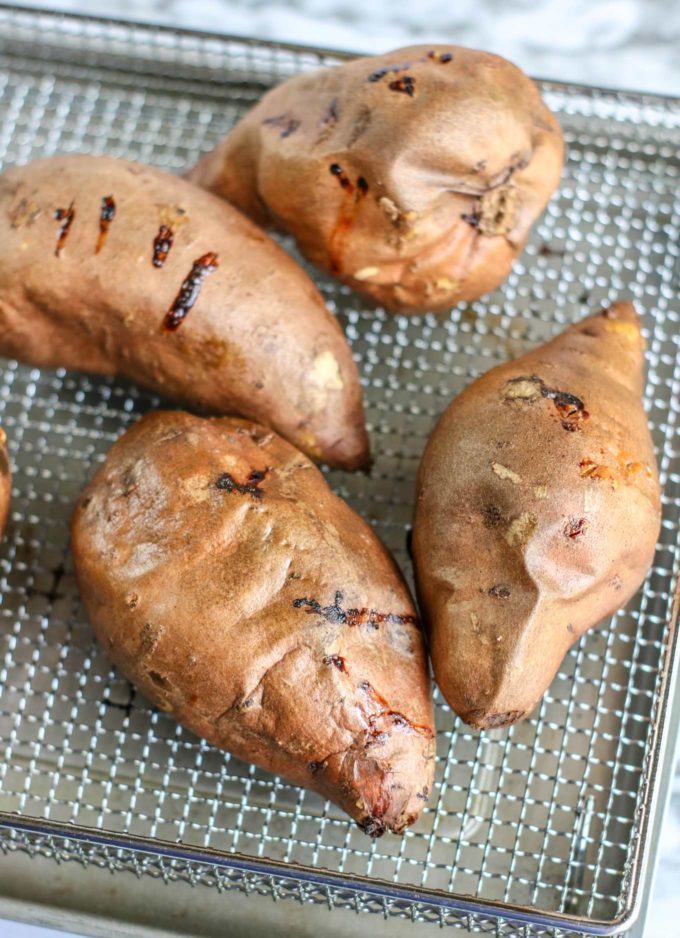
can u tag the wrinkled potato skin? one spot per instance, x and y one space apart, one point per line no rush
474 139
227 650
258 341
5 483
527 533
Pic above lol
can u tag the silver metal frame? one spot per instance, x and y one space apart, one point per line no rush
80 83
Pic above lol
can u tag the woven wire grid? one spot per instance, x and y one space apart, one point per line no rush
545 814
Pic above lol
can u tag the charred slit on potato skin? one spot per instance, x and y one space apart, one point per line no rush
65 216
106 215
472 219
342 177
394 716
227 483
387 70
336 615
570 408
405 85
283 122
161 245
189 291
441 57
500 591
337 661
332 115
575 527
347 214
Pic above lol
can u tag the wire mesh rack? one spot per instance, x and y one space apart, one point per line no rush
539 829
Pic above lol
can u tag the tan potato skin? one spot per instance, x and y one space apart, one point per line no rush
258 341
5 483
436 189
535 519
264 615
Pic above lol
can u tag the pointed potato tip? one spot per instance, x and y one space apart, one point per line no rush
357 459
620 321
485 720
622 311
387 785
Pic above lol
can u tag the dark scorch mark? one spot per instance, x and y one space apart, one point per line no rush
387 70
570 408
471 218
189 291
441 57
283 122
527 388
575 527
337 661
65 216
492 516
161 245
336 615
227 483
405 85
342 177
500 591
106 215
347 184
331 116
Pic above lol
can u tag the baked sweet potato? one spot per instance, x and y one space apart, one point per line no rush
5 483
538 513
230 584
118 268
414 176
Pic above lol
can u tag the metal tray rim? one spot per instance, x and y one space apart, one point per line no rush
639 97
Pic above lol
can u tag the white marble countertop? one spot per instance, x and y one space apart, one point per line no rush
613 43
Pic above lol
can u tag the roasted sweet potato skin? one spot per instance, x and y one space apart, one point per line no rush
538 512
288 637
5 483
414 176
119 268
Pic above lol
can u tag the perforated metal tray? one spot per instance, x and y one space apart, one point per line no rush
539 829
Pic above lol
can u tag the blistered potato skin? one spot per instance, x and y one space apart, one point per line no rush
538 512
416 194
93 294
5 483
228 582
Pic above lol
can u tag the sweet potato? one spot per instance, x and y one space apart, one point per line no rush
118 268
288 636
5 483
414 176
537 516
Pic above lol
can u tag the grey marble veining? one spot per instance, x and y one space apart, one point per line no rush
616 43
